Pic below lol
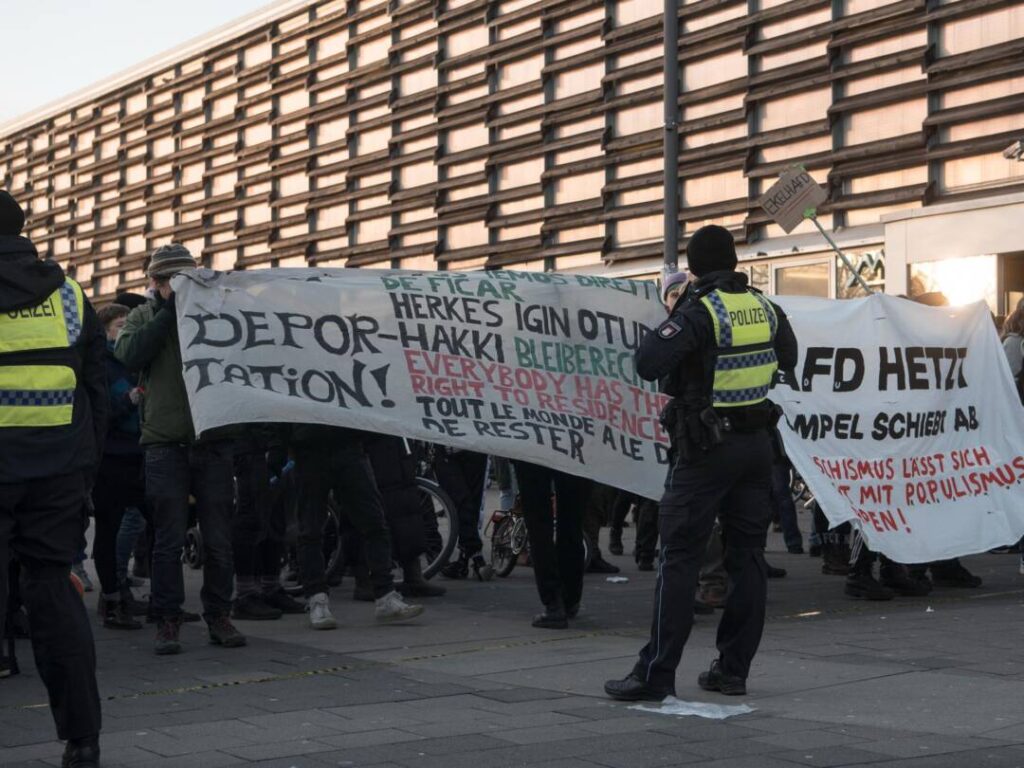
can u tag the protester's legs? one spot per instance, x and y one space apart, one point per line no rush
46 537
168 481
108 510
313 468
252 516
461 475
133 524
356 485
535 495
506 482
212 471
782 501
745 515
572 494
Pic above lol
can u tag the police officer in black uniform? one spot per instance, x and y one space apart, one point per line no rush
53 418
716 355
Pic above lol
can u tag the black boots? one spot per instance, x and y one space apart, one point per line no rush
82 753
459 569
632 688
715 679
414 585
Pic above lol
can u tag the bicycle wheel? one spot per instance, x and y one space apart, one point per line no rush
503 558
441 522
333 546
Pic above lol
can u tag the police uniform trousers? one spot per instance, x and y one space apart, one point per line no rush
733 482
41 525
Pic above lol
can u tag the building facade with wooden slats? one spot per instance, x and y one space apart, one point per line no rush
468 134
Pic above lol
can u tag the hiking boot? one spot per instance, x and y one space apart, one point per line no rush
414 584
253 608
481 570
82 753
223 632
167 641
392 608
953 574
864 586
632 688
118 616
615 541
320 616
901 581
456 569
278 598
599 565
717 680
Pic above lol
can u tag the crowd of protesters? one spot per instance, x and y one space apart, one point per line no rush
259 497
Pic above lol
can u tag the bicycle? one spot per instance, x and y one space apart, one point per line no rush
509 539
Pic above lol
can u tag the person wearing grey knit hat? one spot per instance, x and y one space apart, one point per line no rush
168 260
672 287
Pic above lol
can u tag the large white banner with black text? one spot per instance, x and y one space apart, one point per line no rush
902 418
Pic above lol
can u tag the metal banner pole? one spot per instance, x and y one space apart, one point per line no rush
846 261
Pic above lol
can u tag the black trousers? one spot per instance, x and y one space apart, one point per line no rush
344 468
257 539
461 475
556 547
119 484
646 529
41 524
732 482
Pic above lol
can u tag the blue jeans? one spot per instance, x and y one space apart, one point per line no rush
172 472
132 526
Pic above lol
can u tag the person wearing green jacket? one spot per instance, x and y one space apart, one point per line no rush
177 464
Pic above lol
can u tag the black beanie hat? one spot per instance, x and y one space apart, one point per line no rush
711 249
12 218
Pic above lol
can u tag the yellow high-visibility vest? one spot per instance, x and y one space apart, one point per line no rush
40 395
745 326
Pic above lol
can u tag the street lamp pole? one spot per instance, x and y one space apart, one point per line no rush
671 138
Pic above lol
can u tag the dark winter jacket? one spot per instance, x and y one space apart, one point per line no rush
28 453
123 425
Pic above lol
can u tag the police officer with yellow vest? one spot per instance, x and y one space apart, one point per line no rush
53 415
716 354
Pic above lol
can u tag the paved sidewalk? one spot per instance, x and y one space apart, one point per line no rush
921 683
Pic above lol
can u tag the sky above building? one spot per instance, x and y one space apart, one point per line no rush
53 48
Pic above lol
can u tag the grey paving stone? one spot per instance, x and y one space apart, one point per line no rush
809 740
214 759
829 757
542 733
273 750
648 757
521 694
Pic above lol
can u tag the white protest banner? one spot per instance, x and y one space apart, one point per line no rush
531 366
904 419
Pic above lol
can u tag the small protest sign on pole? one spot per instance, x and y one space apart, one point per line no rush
795 197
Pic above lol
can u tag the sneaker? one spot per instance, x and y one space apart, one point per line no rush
278 598
79 570
864 586
392 608
223 632
953 574
554 617
253 608
319 608
717 680
645 564
167 641
8 667
117 615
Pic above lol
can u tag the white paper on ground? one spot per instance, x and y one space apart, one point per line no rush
674 706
